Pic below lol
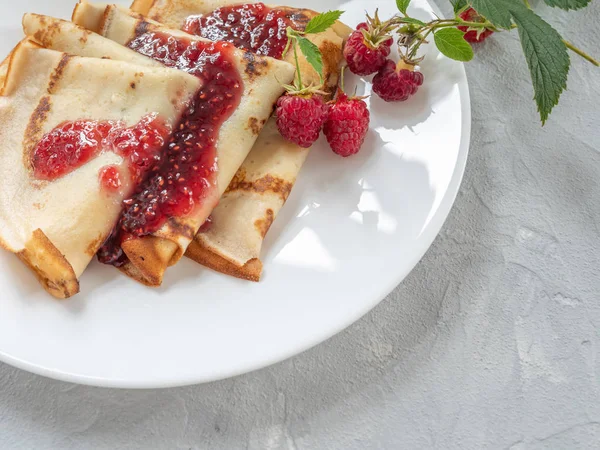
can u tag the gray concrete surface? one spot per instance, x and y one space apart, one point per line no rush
491 343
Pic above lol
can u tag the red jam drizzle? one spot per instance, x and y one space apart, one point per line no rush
254 27
72 144
68 147
110 179
186 172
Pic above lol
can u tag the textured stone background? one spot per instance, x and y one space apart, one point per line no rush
492 341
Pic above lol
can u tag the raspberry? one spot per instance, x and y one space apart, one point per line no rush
470 15
397 83
347 125
300 118
366 53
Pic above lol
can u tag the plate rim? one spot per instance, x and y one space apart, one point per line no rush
429 235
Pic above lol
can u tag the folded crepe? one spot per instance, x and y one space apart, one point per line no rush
61 117
232 242
255 84
176 13
186 15
68 37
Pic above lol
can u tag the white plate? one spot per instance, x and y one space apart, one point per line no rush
350 232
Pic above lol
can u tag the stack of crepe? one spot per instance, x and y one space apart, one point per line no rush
232 244
69 71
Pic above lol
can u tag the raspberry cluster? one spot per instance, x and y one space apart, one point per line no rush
302 114
369 47
367 52
345 121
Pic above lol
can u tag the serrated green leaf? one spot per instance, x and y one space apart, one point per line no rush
568 4
322 22
413 21
547 58
458 4
451 42
498 12
312 54
402 5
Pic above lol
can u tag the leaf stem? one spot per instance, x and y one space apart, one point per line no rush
574 49
581 53
442 23
297 66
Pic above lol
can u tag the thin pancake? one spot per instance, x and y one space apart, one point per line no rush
67 37
232 244
56 225
149 256
173 13
239 224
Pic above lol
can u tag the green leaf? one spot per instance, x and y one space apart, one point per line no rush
413 21
547 58
498 12
568 4
458 5
312 54
322 22
451 42
402 5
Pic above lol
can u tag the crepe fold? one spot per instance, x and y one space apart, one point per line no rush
56 225
233 242
68 37
174 13
262 79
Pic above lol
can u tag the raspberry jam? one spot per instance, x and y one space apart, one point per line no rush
185 174
254 27
68 147
72 144
110 179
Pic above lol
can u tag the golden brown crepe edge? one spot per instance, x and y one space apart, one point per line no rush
10 63
142 6
49 265
198 252
149 258
84 20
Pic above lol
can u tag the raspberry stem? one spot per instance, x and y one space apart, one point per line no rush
420 34
424 31
300 86
569 45
581 53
